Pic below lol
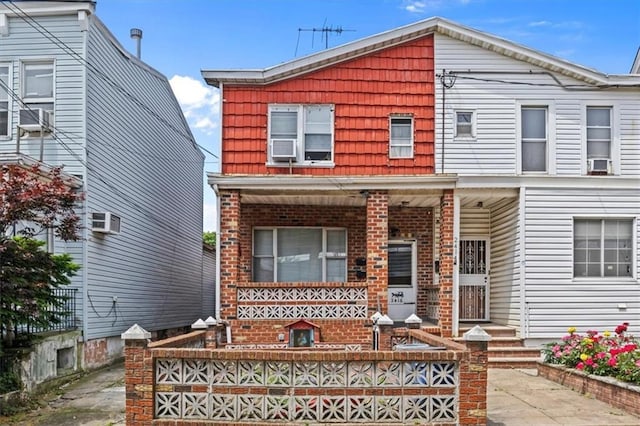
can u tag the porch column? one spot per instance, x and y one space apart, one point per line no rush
229 252
377 240
447 259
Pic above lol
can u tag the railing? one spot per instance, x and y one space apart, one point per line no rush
64 314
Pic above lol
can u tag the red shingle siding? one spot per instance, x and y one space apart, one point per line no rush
365 91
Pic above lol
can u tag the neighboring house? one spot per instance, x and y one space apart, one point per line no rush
114 123
431 169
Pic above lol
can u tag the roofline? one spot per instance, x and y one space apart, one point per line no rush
635 67
35 8
404 34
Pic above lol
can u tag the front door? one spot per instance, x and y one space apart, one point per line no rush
402 279
473 279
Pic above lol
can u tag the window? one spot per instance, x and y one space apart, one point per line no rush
400 264
37 88
534 139
401 137
598 132
465 124
301 133
299 255
4 100
602 247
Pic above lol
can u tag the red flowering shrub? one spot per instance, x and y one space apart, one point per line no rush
616 355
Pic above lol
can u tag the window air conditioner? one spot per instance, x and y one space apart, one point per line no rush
34 119
105 222
283 149
599 166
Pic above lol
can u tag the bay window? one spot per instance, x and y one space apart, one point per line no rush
292 254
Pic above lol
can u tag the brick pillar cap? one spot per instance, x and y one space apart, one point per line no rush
476 334
375 317
385 320
413 319
211 321
135 333
199 324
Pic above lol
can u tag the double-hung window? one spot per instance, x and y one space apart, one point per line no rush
294 254
599 139
4 100
465 124
534 138
301 134
602 247
401 137
37 90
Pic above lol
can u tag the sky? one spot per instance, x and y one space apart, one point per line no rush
183 37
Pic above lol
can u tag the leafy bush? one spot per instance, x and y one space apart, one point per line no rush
607 354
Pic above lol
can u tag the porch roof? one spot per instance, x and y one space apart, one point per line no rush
26 162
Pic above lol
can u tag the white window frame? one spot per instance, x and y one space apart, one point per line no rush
602 276
299 160
551 134
8 89
401 143
472 124
48 103
324 255
614 147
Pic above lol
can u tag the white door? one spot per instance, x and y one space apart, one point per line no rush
402 279
473 279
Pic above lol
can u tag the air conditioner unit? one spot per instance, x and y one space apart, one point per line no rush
283 149
598 166
34 120
105 222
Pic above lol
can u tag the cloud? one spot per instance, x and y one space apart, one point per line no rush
200 103
421 6
415 7
539 24
209 214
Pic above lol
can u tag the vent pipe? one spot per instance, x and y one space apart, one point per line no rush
136 34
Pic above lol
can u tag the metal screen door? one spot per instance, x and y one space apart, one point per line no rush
473 280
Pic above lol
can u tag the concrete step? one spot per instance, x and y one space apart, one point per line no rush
514 352
524 362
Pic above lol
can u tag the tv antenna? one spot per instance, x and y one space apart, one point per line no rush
325 31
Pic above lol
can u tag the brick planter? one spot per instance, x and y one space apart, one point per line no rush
607 389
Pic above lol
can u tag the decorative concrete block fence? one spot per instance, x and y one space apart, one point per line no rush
186 379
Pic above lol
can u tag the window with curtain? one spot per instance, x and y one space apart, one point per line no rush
602 247
401 137
465 124
534 139
599 132
4 100
299 255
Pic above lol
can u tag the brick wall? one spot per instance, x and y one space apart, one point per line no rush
447 255
377 255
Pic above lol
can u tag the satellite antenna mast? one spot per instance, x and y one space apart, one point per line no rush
324 30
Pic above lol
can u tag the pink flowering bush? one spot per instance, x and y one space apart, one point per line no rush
607 354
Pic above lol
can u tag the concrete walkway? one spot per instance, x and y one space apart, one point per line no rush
520 397
515 397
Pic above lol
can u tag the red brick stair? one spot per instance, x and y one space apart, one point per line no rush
505 349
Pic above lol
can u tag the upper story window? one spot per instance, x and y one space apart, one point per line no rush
37 93
602 247
299 255
401 137
534 138
4 100
599 139
301 134
465 124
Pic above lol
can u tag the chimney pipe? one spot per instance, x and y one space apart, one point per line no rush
136 34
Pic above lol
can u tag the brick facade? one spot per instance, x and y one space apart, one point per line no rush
447 263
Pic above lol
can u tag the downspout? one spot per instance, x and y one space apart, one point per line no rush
442 125
84 27
217 285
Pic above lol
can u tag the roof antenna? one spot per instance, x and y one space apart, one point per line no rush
324 30
136 34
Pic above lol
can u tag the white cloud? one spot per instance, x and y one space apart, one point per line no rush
415 7
209 214
539 24
200 103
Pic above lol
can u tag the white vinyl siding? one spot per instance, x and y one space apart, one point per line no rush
401 137
494 94
554 297
299 255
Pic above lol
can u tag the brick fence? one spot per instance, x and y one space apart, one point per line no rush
185 379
